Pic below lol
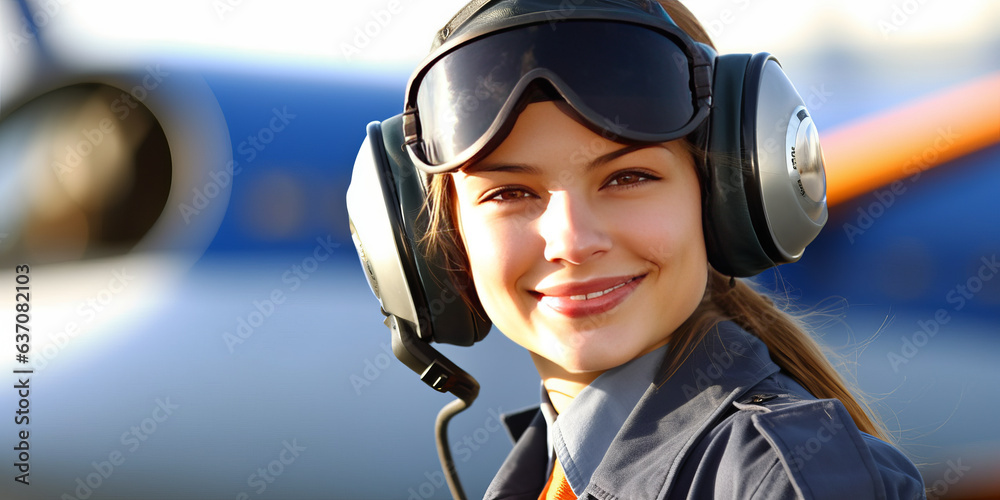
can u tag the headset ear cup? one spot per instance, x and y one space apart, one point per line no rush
377 230
442 314
765 196
787 160
730 239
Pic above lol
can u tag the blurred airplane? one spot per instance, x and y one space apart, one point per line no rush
200 326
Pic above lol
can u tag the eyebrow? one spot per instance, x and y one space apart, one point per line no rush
530 169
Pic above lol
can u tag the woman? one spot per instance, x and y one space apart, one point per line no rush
586 204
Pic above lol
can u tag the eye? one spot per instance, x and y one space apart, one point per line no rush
508 194
630 178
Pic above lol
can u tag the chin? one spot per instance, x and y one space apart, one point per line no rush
592 359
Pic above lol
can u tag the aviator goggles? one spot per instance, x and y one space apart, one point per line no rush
634 82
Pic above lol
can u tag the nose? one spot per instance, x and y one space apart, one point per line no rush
571 230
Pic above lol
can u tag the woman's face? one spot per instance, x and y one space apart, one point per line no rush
584 251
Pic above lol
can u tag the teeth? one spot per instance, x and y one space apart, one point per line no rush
594 295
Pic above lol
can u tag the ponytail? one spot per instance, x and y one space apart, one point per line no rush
791 348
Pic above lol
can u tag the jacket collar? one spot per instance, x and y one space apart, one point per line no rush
659 433
582 434
523 473
673 414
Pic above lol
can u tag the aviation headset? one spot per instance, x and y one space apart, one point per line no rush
764 187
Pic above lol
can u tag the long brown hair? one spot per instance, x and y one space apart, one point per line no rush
791 348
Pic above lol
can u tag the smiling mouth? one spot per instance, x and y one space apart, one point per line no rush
594 295
570 302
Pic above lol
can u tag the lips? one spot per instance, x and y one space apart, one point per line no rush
594 295
577 300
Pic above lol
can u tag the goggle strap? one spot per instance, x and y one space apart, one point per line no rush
410 127
703 83
663 12
702 71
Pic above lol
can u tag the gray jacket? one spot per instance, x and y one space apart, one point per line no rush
729 424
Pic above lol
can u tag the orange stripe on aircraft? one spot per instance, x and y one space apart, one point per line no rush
872 152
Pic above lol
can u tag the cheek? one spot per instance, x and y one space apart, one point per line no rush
498 256
666 231
682 253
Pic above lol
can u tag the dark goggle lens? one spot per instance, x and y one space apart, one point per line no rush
630 80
